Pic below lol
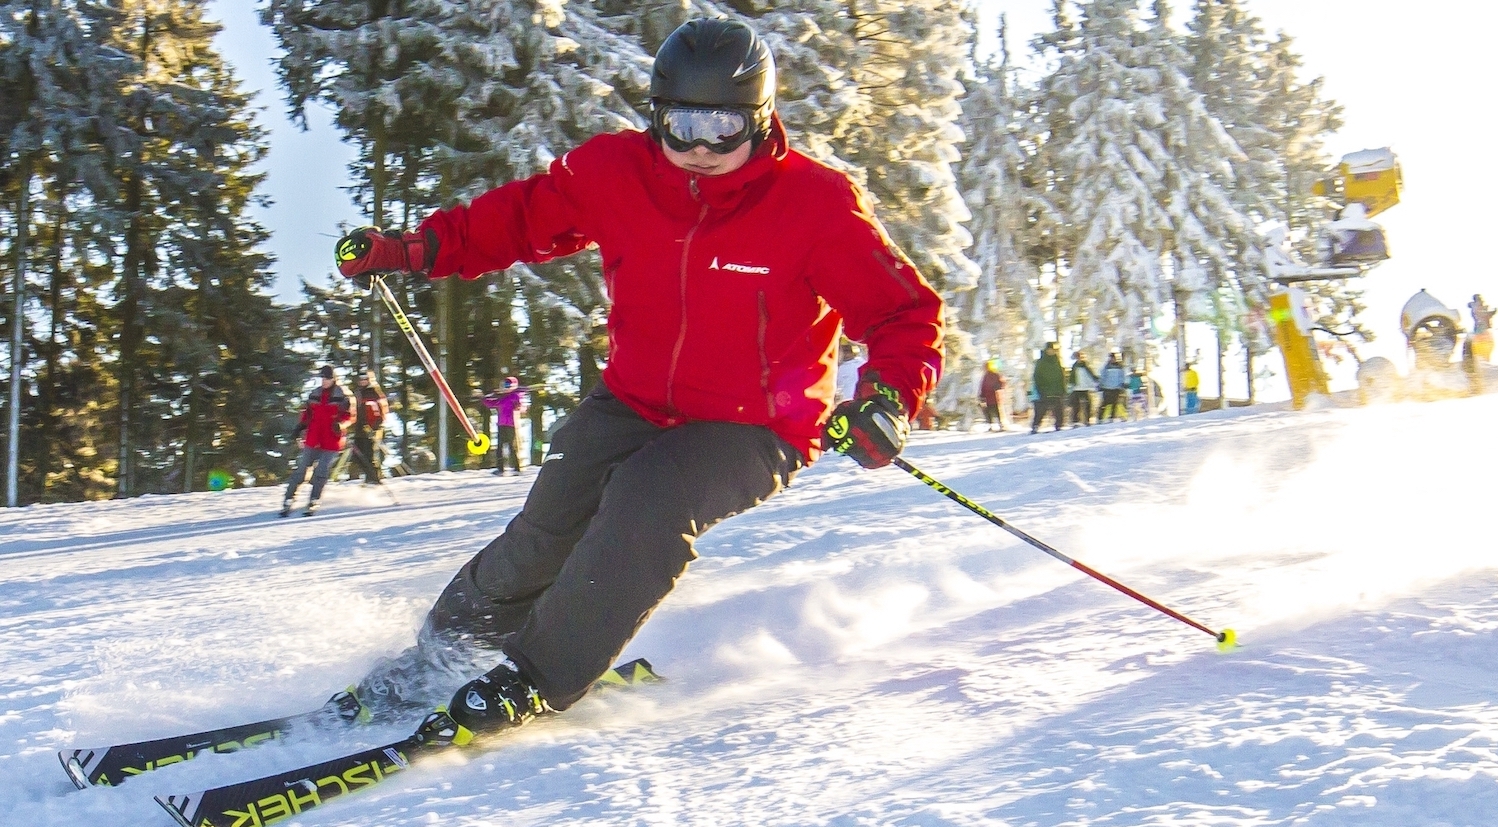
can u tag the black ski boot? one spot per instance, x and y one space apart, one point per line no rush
311 509
286 508
501 699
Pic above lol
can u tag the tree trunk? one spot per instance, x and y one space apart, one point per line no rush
17 325
377 186
47 393
132 331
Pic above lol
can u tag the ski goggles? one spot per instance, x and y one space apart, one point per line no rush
720 130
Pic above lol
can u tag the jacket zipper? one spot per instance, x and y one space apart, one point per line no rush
681 333
764 357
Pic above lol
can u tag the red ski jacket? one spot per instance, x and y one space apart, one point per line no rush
727 291
327 413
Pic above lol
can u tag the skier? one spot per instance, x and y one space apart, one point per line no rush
1481 340
1112 385
1083 383
991 395
1138 395
507 403
1191 383
324 420
1050 386
732 262
369 426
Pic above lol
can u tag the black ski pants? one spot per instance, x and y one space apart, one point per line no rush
364 454
509 442
1048 404
1081 407
607 528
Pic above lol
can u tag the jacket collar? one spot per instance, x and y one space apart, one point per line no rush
725 191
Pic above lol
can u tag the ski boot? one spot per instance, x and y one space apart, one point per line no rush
311 509
286 508
501 699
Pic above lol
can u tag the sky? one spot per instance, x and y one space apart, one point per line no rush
1404 77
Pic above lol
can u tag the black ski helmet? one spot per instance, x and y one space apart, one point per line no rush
716 63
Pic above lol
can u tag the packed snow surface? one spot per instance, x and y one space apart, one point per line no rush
857 651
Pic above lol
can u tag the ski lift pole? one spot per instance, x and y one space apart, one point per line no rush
1226 639
478 444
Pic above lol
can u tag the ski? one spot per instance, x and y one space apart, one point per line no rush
283 795
110 766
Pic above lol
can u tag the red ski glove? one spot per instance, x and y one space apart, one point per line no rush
871 428
368 250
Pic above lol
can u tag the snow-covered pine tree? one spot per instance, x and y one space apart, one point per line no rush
1001 317
537 79
907 59
1226 45
151 305
1300 120
232 353
817 96
1144 168
60 96
195 320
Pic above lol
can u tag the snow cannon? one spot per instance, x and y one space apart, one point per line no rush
1369 177
1227 640
1431 329
1290 325
1354 241
479 445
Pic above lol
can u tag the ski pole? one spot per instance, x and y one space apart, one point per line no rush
1226 639
478 444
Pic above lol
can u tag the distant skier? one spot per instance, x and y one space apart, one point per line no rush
1191 383
1481 340
507 403
732 262
1049 387
1111 382
1082 382
325 418
991 395
1138 395
369 426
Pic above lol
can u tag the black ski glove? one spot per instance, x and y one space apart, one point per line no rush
871 428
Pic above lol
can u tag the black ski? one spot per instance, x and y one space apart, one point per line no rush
275 797
108 766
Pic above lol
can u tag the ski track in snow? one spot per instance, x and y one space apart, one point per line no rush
857 651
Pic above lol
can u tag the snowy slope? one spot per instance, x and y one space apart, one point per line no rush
858 651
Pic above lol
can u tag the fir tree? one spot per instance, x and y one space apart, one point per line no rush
1001 317
1143 167
908 57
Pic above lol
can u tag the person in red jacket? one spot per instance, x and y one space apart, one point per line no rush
732 262
369 425
324 420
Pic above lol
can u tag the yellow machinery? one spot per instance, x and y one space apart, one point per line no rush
1291 327
1367 183
1370 177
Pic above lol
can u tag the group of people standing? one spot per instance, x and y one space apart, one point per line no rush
1057 389
331 414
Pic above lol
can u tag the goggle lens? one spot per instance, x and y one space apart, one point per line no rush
720 130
